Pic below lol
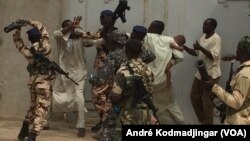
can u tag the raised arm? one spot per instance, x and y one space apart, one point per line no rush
18 41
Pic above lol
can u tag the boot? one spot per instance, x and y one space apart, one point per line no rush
97 127
24 131
32 136
81 132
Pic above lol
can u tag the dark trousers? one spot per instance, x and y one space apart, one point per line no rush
202 101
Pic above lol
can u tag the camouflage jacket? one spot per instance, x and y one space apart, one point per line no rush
239 100
43 46
124 87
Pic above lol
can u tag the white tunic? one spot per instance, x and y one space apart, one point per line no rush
160 46
66 95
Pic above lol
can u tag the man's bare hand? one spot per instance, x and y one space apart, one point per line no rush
197 46
76 22
154 120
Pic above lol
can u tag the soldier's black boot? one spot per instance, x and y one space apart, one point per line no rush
32 136
24 131
98 126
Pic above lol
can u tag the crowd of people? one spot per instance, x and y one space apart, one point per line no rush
129 67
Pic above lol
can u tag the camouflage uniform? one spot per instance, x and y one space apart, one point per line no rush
104 83
123 85
238 101
39 84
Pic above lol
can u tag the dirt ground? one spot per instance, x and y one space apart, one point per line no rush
59 131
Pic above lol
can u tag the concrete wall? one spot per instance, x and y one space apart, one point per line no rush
186 17
180 16
14 95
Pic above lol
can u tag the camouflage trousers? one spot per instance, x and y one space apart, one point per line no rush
109 126
101 100
40 100
131 116
103 105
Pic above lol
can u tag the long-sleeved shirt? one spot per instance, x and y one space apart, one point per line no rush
43 46
239 100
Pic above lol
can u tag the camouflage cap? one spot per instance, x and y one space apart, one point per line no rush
120 36
244 43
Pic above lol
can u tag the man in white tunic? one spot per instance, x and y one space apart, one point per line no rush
164 99
208 49
68 96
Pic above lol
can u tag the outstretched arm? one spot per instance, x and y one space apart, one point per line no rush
173 46
190 51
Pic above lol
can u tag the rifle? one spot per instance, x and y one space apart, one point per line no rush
51 64
142 94
120 10
222 106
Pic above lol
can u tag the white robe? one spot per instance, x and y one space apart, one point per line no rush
66 95
164 99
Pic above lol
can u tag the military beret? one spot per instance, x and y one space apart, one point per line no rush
140 29
106 13
33 31
244 43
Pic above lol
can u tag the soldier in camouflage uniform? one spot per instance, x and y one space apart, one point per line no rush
139 32
104 79
40 78
99 92
124 90
238 101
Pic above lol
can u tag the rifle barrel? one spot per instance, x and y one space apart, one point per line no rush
73 80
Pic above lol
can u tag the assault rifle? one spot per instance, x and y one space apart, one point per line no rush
142 94
51 64
222 106
120 10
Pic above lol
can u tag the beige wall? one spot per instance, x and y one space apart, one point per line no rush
14 95
180 16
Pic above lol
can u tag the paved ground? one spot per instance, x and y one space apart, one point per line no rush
59 131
